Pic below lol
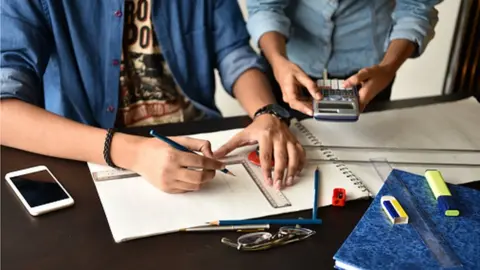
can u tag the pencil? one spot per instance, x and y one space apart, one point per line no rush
315 193
180 147
267 221
253 227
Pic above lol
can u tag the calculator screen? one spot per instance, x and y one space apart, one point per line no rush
336 106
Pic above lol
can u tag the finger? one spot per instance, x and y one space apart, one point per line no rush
291 96
195 176
197 145
237 141
302 106
185 186
289 90
265 154
309 84
206 149
365 95
280 157
175 191
293 162
358 78
302 157
197 161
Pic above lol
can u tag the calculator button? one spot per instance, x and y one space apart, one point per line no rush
340 84
335 84
335 97
328 83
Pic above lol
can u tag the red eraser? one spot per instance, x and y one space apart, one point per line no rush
339 197
254 159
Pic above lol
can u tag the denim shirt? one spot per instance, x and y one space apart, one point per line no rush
342 36
65 55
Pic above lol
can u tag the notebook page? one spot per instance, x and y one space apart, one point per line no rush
134 208
446 125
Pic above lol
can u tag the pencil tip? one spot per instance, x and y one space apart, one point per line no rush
231 173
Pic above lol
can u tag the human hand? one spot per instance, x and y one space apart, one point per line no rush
275 140
372 80
175 171
291 79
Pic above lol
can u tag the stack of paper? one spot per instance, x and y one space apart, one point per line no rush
453 125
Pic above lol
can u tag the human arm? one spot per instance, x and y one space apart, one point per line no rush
411 31
25 51
242 74
270 28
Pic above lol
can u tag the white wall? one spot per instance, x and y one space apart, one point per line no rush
419 77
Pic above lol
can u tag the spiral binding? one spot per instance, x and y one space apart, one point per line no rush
331 156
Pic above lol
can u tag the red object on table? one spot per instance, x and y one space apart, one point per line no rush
339 197
253 158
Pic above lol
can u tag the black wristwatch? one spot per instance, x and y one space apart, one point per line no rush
276 110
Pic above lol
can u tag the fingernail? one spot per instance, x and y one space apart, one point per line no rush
318 96
278 184
289 181
269 181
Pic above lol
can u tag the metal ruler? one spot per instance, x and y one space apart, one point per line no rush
412 163
418 219
393 149
275 197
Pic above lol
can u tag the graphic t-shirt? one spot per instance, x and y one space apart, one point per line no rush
148 92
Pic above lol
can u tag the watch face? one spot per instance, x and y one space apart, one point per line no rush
280 111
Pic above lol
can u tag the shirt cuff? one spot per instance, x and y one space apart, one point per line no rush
19 85
234 64
417 31
267 21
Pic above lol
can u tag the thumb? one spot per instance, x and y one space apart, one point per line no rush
358 78
365 95
235 142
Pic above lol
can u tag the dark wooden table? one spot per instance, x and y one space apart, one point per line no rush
79 237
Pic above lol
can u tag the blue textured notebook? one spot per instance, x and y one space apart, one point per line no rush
377 244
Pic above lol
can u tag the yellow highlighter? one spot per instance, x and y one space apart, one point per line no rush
445 200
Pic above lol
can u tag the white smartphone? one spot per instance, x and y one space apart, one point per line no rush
39 190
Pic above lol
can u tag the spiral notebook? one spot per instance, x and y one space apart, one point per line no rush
307 136
135 209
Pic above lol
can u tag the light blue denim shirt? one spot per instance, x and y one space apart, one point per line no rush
342 35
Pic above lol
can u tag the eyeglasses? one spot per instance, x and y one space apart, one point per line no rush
265 240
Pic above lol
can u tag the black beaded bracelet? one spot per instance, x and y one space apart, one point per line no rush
106 148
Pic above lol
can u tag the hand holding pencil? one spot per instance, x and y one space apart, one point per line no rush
174 169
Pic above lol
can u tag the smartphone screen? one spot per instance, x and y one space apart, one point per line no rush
39 188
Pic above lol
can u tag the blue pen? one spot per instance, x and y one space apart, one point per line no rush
315 193
267 221
180 147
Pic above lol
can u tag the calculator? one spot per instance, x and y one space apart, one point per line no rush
338 103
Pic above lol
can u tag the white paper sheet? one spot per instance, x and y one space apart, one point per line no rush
446 125
134 208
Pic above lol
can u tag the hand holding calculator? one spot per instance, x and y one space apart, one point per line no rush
338 103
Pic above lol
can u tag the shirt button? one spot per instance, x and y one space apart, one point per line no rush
115 62
118 13
110 109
